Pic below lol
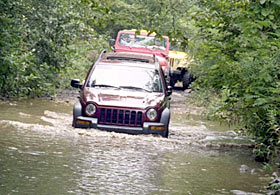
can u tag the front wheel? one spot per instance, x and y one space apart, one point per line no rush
187 79
172 82
77 111
166 131
165 134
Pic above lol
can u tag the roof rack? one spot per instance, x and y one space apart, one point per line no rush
154 56
101 55
135 57
156 62
129 57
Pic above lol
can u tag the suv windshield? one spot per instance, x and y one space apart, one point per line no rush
126 77
142 41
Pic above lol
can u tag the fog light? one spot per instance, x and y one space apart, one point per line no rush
83 122
157 127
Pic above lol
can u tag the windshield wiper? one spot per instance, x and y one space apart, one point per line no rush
103 85
135 88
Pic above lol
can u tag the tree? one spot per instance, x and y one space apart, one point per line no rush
239 55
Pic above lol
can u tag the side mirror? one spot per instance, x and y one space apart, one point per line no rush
76 83
112 42
169 90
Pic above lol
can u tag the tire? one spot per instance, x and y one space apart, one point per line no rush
187 79
77 111
165 134
172 82
165 119
74 123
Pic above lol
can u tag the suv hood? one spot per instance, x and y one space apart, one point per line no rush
122 97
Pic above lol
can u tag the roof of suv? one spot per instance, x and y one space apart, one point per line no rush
143 60
124 56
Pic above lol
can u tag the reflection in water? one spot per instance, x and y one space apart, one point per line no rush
40 153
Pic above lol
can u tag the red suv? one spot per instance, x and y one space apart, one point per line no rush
124 92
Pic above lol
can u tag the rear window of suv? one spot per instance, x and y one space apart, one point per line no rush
129 77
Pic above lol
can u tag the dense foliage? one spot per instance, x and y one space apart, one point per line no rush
235 44
36 38
239 60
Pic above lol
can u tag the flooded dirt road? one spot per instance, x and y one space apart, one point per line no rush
40 153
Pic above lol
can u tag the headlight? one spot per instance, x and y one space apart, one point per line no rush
90 109
152 114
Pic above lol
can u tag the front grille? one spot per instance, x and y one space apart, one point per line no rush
120 117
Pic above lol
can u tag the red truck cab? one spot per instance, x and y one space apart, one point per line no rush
143 42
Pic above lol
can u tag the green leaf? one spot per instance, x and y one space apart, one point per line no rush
277 2
265 12
262 1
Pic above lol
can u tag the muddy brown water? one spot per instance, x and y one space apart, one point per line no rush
40 153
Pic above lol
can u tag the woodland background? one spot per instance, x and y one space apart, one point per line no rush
235 44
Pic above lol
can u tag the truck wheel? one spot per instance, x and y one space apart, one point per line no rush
172 82
165 134
74 123
77 111
187 79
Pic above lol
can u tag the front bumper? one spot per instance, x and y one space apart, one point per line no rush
148 127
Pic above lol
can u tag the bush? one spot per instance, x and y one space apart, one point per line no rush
239 60
37 46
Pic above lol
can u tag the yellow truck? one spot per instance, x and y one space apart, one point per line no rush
179 63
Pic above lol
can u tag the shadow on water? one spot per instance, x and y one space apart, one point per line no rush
40 153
